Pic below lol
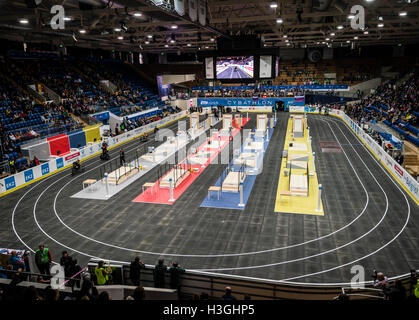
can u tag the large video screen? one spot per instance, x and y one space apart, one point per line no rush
234 67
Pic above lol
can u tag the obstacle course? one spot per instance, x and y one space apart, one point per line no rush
235 184
298 187
187 170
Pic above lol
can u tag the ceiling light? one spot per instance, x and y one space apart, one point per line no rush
120 38
67 19
172 41
318 42
340 27
24 21
188 44
327 39
212 39
355 38
351 16
166 45
137 14
285 36
347 41
380 25
323 42
287 40
279 20
365 32
117 29
82 31
369 0
274 5
174 26
403 14
380 18
150 36
147 42
288 44
332 34
206 47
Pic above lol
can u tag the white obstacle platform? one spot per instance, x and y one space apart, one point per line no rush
232 182
176 175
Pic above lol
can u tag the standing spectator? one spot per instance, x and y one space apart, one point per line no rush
35 161
228 296
175 271
102 275
122 156
135 271
65 262
397 292
381 281
159 274
74 271
43 259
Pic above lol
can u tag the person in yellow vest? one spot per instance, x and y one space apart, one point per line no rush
417 290
102 274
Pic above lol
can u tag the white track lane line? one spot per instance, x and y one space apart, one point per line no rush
114 151
306 283
214 255
380 248
324 252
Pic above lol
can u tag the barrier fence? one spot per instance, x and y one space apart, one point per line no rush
196 282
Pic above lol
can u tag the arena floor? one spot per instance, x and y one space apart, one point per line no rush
369 220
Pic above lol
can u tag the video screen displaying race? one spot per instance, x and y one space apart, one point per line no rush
234 67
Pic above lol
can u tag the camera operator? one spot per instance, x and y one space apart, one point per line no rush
380 281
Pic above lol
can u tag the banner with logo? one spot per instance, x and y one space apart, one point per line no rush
246 102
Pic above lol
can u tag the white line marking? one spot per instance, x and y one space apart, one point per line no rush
213 255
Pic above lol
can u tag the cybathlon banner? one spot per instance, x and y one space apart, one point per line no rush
193 10
180 7
247 102
202 12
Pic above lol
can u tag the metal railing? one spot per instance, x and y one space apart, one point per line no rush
197 282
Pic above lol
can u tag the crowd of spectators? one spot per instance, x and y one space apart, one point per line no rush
85 285
396 104
77 82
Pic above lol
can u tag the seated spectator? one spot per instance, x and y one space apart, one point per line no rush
31 295
16 261
228 295
103 296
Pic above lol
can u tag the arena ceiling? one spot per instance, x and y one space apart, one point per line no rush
140 25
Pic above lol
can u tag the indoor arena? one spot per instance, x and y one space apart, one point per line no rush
209 150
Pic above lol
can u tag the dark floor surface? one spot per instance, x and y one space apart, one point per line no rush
359 226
